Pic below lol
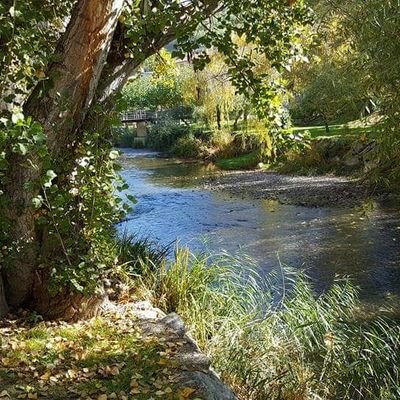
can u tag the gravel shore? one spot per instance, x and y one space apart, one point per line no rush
310 191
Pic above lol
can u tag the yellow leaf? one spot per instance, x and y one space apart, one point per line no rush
40 74
102 397
71 373
186 392
46 376
4 393
114 371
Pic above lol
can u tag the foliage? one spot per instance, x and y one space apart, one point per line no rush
21 137
164 135
373 28
273 337
358 60
328 88
81 212
76 213
158 89
187 146
28 33
124 137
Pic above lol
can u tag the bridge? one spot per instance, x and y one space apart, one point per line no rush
129 117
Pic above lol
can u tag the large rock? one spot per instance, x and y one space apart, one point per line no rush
192 366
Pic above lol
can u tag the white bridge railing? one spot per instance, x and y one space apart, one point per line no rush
138 115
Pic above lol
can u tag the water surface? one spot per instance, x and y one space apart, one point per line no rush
326 242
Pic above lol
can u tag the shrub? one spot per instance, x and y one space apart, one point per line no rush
124 137
187 146
164 135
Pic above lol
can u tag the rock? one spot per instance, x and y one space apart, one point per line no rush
144 310
208 385
192 366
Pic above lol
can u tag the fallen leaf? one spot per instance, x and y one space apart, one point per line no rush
186 392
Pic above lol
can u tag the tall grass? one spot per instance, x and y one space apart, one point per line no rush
273 338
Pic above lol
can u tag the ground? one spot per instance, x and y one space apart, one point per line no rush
129 355
313 191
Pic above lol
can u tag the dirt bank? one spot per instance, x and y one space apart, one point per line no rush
311 191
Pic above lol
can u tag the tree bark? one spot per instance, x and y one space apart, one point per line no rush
218 113
3 302
79 60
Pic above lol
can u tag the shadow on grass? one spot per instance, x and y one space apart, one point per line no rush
99 359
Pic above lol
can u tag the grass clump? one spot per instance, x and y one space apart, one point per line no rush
269 342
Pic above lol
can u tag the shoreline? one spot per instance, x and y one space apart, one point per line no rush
307 191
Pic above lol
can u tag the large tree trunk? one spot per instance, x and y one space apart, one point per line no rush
79 60
79 83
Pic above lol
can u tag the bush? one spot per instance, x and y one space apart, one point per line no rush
164 135
187 147
124 137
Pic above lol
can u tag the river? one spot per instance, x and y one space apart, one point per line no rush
325 242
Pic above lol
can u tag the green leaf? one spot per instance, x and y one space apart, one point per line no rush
22 149
50 175
114 154
131 198
17 117
37 201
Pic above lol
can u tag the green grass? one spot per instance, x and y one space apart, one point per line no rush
319 132
274 338
245 161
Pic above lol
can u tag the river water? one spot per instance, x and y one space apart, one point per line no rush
325 242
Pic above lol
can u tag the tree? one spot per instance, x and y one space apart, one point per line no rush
56 165
328 87
370 31
159 89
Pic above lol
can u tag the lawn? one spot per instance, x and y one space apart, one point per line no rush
319 132
245 161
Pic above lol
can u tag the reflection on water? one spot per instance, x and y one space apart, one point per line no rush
324 241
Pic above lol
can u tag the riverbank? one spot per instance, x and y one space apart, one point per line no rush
310 191
131 351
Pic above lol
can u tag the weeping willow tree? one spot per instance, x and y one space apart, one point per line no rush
61 67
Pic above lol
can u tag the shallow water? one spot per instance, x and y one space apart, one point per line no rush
326 242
